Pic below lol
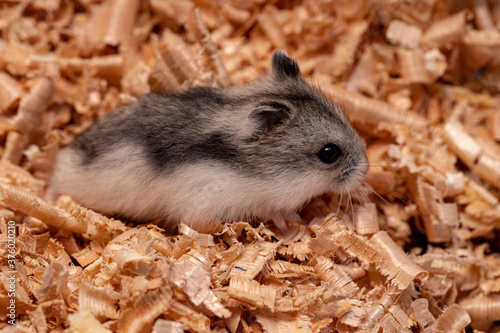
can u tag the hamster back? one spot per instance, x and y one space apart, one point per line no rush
211 155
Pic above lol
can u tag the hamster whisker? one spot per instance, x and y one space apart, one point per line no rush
375 178
361 194
375 192
339 204
352 206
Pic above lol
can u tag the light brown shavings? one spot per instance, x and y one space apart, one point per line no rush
32 205
293 233
14 175
355 315
173 70
424 193
28 119
378 310
421 313
482 308
100 301
299 250
252 260
454 184
140 315
270 27
364 110
368 74
475 190
97 226
168 326
282 323
482 15
494 125
355 245
252 292
471 153
319 302
282 269
234 14
10 92
412 66
327 272
475 99
454 320
400 316
84 321
211 54
113 22
203 240
488 168
395 263
191 275
407 35
447 30
366 219
345 48
54 280
85 257
482 37
173 10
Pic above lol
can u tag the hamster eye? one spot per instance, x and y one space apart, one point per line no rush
329 153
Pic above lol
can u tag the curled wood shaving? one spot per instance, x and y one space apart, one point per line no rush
270 28
343 54
461 143
141 314
454 319
482 15
100 301
10 92
168 326
114 21
201 33
449 29
28 119
284 269
192 276
482 308
13 175
252 292
395 263
399 32
366 219
194 320
326 271
252 260
84 322
34 206
421 313
482 38
366 110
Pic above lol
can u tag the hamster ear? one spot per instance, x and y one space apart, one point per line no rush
266 117
284 66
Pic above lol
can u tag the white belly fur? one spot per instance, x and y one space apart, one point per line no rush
199 195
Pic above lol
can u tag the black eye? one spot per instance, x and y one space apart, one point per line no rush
329 153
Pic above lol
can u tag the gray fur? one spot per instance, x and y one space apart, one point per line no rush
262 136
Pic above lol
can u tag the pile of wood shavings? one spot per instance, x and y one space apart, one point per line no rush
419 80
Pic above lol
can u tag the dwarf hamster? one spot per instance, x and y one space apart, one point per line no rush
207 155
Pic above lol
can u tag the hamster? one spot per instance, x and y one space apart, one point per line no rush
207 156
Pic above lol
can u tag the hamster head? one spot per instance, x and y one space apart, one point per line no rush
302 137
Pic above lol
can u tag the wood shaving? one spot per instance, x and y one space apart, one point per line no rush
414 249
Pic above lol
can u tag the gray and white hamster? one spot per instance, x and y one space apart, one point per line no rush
206 156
